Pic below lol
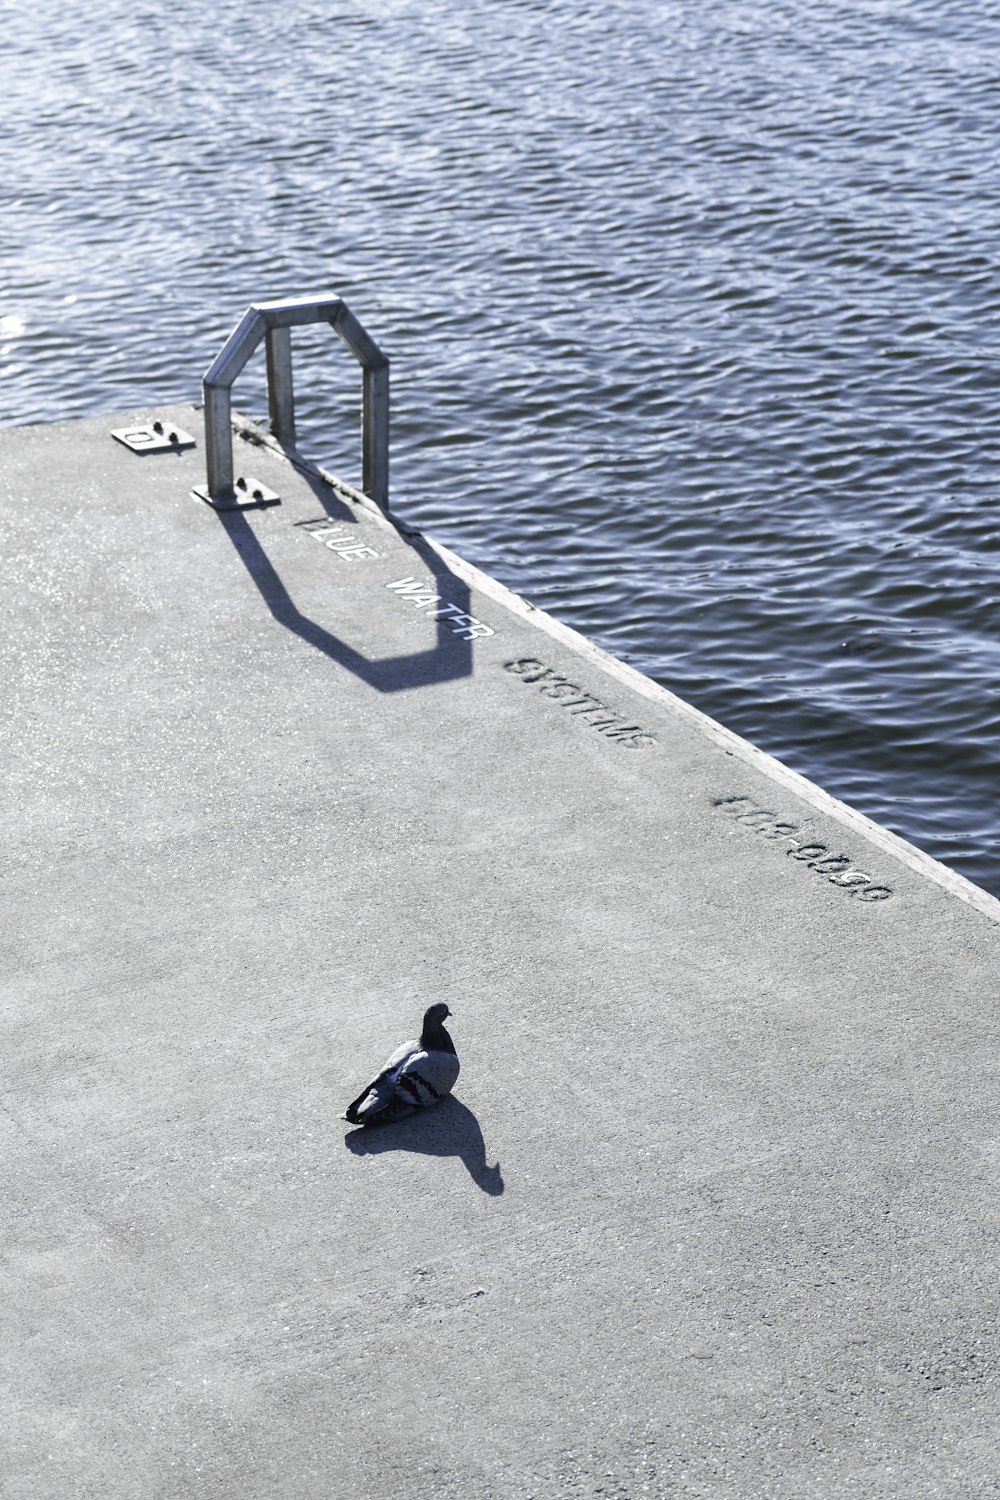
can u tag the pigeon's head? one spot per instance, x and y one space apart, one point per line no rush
436 1015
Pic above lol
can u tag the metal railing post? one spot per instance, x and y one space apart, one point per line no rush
375 435
280 394
219 442
374 404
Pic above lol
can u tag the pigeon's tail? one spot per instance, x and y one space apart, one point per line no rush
374 1112
372 1097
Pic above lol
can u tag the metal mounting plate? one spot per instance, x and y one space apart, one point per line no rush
248 494
158 437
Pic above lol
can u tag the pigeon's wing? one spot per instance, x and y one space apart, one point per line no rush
396 1059
425 1077
376 1095
412 1078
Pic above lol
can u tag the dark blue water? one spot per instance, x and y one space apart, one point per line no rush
692 307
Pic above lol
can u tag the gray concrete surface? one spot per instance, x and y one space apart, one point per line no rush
713 1210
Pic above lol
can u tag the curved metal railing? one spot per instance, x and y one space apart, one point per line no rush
273 321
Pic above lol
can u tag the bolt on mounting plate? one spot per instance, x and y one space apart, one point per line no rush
156 437
248 494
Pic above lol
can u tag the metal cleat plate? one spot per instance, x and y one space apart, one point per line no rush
247 494
157 437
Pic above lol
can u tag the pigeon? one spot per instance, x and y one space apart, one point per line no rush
417 1075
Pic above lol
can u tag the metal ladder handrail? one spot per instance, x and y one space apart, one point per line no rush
273 321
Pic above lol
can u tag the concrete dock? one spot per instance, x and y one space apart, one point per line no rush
713 1209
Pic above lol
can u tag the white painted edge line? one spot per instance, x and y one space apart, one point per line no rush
760 760
795 783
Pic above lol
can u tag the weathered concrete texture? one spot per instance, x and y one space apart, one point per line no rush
713 1212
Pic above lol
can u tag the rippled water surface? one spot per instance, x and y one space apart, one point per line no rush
692 309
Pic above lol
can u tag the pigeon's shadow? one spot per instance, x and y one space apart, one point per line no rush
449 1129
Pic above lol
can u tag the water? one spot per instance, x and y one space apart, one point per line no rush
692 309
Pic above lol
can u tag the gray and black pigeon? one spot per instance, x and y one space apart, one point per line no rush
417 1075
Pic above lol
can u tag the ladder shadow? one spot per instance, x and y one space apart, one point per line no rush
448 659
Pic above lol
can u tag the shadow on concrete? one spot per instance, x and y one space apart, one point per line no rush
449 1129
448 659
